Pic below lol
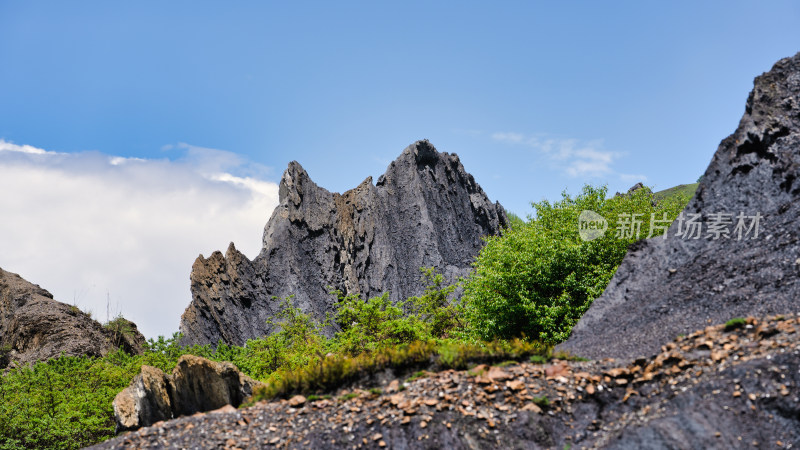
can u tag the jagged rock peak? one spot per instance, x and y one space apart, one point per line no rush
672 286
426 210
292 182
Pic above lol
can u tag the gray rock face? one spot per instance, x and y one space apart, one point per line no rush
34 327
195 385
666 287
426 210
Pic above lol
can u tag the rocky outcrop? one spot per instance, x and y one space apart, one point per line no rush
35 327
195 385
667 287
425 211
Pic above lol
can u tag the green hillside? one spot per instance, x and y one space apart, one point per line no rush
688 189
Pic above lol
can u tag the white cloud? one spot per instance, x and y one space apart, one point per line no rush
10 147
632 177
88 225
576 158
514 138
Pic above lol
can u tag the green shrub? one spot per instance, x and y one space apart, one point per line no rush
515 221
735 323
542 401
372 324
377 323
536 280
434 309
62 403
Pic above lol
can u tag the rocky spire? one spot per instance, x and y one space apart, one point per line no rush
426 210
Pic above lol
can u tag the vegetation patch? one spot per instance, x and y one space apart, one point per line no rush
536 280
735 323
542 401
330 373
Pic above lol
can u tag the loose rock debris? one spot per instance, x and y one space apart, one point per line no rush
736 387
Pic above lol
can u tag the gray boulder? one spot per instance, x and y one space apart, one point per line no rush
425 211
144 402
195 385
667 287
35 327
198 384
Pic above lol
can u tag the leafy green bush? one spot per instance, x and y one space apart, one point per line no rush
377 323
515 221
62 403
372 324
298 342
438 315
542 401
537 280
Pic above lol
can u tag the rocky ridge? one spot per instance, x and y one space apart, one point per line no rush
35 327
425 211
720 387
665 287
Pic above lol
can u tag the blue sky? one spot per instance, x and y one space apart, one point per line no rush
209 101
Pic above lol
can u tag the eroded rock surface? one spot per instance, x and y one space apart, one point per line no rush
35 327
666 287
195 385
425 211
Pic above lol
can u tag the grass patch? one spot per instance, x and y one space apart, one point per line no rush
566 356
417 375
330 373
507 363
687 190
539 359
348 396
735 323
